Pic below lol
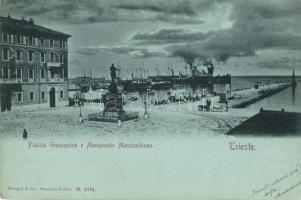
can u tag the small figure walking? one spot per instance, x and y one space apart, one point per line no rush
24 134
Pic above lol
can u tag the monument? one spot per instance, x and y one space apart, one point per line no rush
113 105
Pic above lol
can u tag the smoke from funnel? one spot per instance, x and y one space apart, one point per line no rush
186 53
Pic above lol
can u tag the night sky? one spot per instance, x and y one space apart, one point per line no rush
241 37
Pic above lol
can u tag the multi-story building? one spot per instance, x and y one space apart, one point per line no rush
33 64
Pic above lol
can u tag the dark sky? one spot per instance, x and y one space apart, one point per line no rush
242 37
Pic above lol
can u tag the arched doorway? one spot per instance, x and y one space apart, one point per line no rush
52 97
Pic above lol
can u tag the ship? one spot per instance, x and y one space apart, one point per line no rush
196 79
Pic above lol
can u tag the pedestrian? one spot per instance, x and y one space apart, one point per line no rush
24 134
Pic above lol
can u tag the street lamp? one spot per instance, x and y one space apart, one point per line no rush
147 94
80 113
203 98
80 107
212 102
146 114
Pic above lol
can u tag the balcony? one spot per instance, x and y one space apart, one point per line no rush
9 80
53 65
14 80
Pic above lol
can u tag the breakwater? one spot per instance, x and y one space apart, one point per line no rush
250 96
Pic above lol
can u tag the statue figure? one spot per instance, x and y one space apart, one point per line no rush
113 86
113 72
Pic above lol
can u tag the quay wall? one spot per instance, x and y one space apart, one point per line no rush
261 94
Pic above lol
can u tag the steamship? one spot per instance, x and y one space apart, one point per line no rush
196 78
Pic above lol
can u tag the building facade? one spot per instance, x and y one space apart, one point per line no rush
33 64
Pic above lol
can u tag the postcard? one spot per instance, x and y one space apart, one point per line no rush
150 99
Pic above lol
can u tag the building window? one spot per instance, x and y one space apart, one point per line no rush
43 95
62 58
51 43
13 74
57 58
19 55
5 72
19 39
30 40
62 94
52 74
46 43
42 57
30 56
5 38
42 73
31 96
52 57
24 40
30 73
19 73
12 38
5 54
61 44
42 42
19 96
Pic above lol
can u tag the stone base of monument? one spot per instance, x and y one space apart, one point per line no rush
113 117
113 111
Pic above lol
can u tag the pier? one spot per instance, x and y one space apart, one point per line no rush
243 98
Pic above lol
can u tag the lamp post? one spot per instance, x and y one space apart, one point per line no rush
80 107
80 113
212 102
146 114
147 93
203 98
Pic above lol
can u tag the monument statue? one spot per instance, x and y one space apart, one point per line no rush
113 72
113 100
113 105
113 89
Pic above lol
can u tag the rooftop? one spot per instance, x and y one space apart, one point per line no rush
268 122
16 26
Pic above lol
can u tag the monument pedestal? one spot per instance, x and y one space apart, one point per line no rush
113 108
